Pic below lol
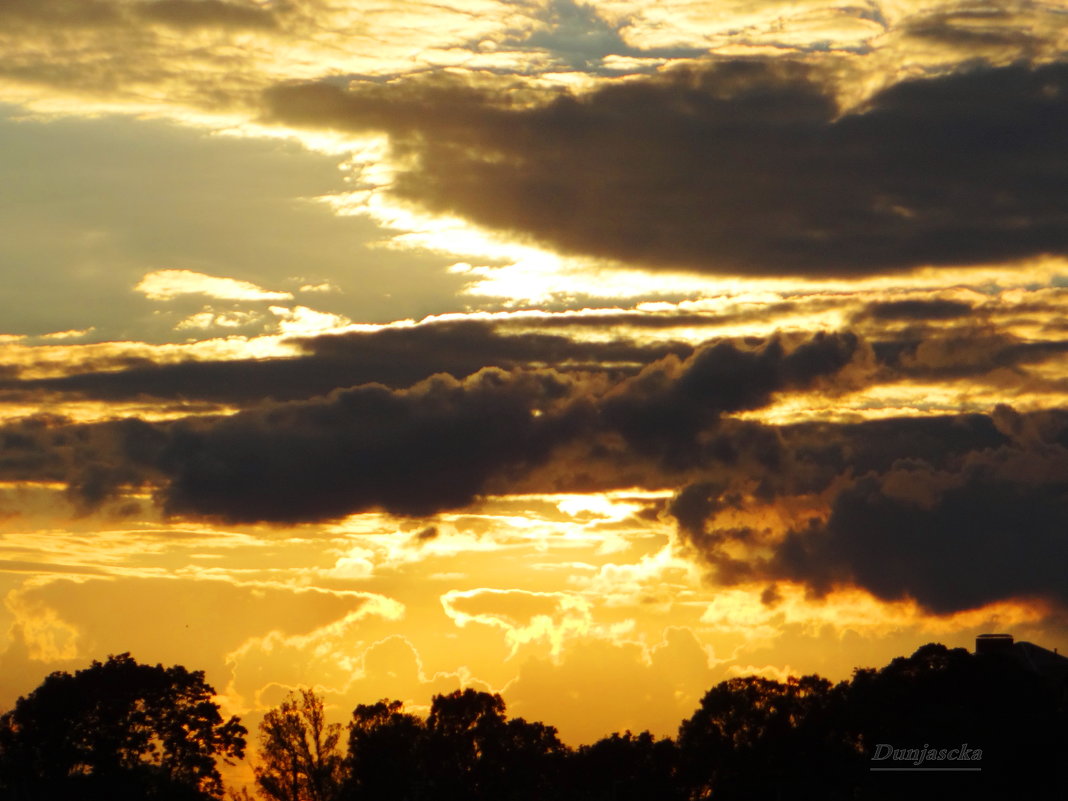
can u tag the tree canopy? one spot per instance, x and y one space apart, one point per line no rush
122 731
300 759
117 730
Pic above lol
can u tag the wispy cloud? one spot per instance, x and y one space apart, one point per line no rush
170 284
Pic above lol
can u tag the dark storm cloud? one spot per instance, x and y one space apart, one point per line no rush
396 357
812 458
95 461
998 529
442 442
410 452
909 339
735 166
961 351
917 310
954 513
433 446
663 409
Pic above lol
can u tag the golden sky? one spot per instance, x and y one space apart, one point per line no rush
589 353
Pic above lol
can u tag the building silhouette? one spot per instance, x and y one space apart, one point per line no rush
1032 657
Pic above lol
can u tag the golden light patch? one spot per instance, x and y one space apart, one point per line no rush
170 284
53 361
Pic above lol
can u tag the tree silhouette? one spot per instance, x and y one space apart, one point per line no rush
755 738
120 731
300 759
117 730
758 739
626 767
466 749
385 754
946 698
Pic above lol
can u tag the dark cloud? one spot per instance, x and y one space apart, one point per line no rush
414 451
742 166
662 410
96 461
442 442
425 535
829 450
207 13
811 459
954 513
996 530
917 310
396 357
963 350
925 347
435 445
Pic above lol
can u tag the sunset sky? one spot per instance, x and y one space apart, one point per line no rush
589 353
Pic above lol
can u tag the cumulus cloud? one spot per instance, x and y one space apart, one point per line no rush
411 451
443 441
395 356
435 445
991 531
952 514
524 616
663 409
745 166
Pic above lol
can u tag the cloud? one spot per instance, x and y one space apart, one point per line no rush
103 13
992 531
663 409
917 310
434 445
171 618
966 349
523 615
413 451
395 356
1007 31
733 167
1010 340
953 515
69 334
73 13
207 13
170 284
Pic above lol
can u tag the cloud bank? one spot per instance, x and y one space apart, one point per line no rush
740 167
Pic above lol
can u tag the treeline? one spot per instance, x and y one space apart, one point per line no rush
939 724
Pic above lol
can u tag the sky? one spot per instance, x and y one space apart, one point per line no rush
588 353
